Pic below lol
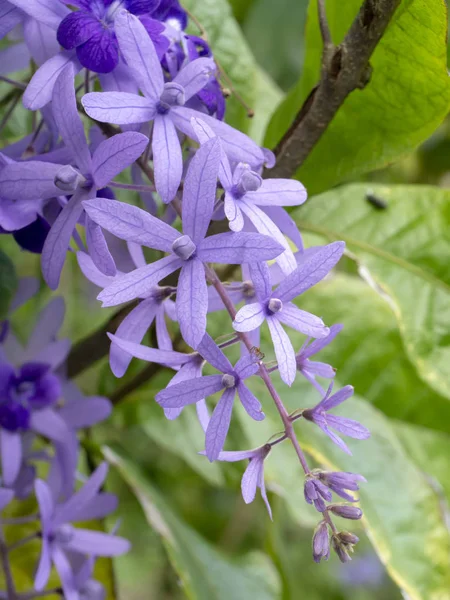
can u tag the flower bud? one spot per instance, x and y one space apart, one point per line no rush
348 538
228 381
68 179
172 95
345 511
184 247
321 542
275 305
250 181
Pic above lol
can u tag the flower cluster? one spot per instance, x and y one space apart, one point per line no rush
205 199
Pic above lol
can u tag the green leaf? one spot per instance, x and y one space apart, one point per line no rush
406 249
369 352
8 283
235 57
205 574
406 99
403 516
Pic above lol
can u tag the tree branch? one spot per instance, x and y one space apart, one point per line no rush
347 69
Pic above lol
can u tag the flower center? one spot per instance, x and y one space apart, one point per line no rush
275 305
249 181
68 179
172 95
64 534
184 247
228 381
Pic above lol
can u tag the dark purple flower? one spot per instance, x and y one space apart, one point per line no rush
91 31
321 542
231 382
345 511
319 415
339 482
343 543
316 493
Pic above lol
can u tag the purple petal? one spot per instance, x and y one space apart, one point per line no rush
27 287
310 272
40 40
195 75
5 497
86 412
48 423
139 283
119 80
203 414
250 479
49 12
10 16
131 223
188 392
116 154
238 248
341 396
103 505
100 53
86 494
348 427
249 317
246 366
163 338
78 27
97 543
16 215
163 357
337 440
204 133
318 369
29 180
65 573
266 226
235 456
49 322
219 425
233 213
45 503
44 567
209 350
302 321
121 108
285 224
192 302
251 404
58 239
260 276
278 192
39 90
167 158
140 54
11 455
132 329
283 351
321 343
98 249
91 272
236 145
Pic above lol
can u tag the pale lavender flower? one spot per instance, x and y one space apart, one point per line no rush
44 180
253 477
319 415
190 392
321 542
246 192
276 307
310 369
163 103
187 252
59 537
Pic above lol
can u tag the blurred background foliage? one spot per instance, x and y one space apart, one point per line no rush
192 534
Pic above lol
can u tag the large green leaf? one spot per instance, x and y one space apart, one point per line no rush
205 574
235 57
403 516
8 282
406 249
406 99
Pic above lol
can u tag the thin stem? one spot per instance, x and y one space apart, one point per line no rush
10 587
17 84
86 81
20 520
9 112
23 541
323 24
33 594
132 187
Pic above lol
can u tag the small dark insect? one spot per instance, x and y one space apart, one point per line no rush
257 354
376 201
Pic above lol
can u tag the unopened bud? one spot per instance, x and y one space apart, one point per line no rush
321 542
68 179
340 549
345 511
348 538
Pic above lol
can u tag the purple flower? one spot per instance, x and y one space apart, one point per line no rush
187 252
311 369
319 415
343 543
59 537
29 179
253 477
189 392
91 31
164 104
276 307
246 192
321 542
316 493
345 511
339 482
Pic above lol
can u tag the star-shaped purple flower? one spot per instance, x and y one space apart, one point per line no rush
163 103
231 381
276 307
31 179
319 415
187 252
